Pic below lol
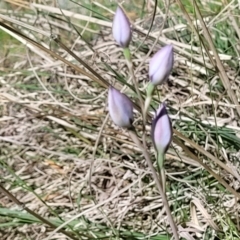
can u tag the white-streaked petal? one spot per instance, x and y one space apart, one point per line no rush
120 108
161 129
161 64
121 28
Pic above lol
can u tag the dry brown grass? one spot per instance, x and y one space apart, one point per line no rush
64 159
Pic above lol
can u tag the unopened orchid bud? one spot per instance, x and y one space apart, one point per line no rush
162 137
121 28
161 130
160 65
120 108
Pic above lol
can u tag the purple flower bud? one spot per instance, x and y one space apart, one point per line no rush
120 108
121 28
161 64
161 130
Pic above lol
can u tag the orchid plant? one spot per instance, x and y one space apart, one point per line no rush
121 107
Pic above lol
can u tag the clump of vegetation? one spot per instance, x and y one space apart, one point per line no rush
67 171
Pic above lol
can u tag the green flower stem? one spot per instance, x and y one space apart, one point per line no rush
160 161
150 91
127 54
173 225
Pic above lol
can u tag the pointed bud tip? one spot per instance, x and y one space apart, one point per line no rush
161 64
121 28
161 129
120 108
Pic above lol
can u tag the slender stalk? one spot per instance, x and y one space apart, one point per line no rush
150 91
127 55
160 161
135 138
